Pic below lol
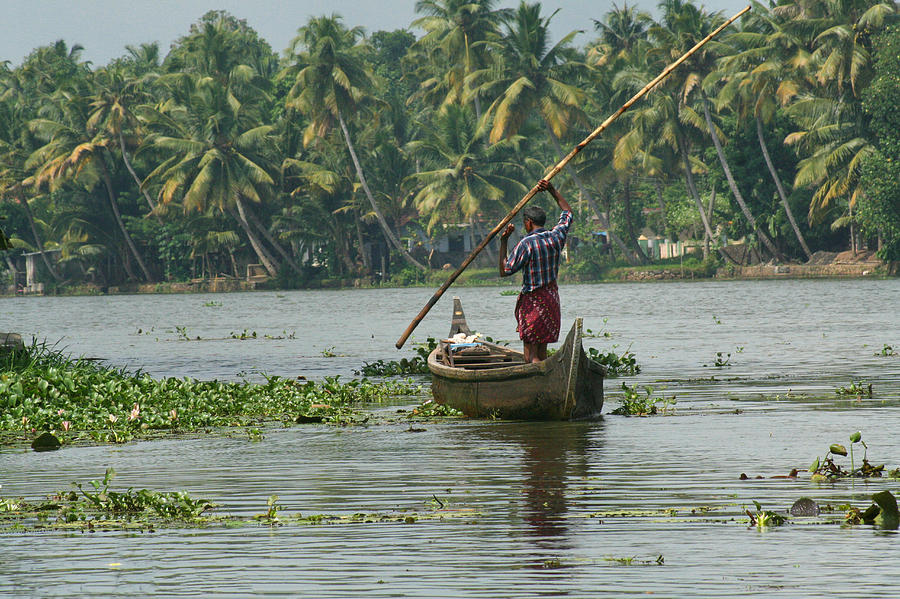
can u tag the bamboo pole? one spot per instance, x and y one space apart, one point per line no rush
555 171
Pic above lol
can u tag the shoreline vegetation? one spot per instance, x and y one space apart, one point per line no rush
843 265
381 158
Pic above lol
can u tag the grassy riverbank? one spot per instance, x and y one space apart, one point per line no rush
83 401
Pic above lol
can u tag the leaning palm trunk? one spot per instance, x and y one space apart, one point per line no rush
662 204
343 247
731 183
629 223
474 94
389 235
251 216
126 264
781 194
137 179
692 189
709 213
268 262
365 256
107 180
629 256
37 237
478 233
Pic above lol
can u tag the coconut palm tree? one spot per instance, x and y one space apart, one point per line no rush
842 32
683 25
321 185
143 59
115 92
329 80
531 79
832 133
766 71
622 43
22 91
211 132
11 183
72 154
659 127
461 175
832 136
621 30
455 32
218 155
15 146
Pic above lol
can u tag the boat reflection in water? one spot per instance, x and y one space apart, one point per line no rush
553 456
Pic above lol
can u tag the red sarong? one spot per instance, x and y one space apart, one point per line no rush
537 314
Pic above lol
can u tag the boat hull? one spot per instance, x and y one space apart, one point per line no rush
566 386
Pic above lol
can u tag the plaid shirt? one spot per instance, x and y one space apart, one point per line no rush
537 254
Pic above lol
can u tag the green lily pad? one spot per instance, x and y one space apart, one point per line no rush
889 517
46 442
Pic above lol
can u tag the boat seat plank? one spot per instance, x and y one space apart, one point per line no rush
465 359
488 365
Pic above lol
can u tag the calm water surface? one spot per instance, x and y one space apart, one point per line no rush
556 509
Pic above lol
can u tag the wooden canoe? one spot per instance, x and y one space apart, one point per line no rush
485 380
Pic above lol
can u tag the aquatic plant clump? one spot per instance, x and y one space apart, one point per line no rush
616 365
764 518
97 507
76 399
827 469
404 366
858 389
401 367
636 404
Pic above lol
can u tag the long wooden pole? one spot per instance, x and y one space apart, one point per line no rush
555 171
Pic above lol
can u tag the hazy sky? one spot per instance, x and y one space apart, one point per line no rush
105 27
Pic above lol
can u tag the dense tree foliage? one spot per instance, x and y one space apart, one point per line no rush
354 155
879 210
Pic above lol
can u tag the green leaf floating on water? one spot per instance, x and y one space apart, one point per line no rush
46 442
889 517
838 449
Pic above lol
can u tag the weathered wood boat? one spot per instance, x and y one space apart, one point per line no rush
484 379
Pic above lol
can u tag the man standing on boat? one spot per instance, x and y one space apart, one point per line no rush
537 256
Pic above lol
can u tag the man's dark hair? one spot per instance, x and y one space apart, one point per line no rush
535 214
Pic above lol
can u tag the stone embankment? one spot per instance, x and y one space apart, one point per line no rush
655 275
822 264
